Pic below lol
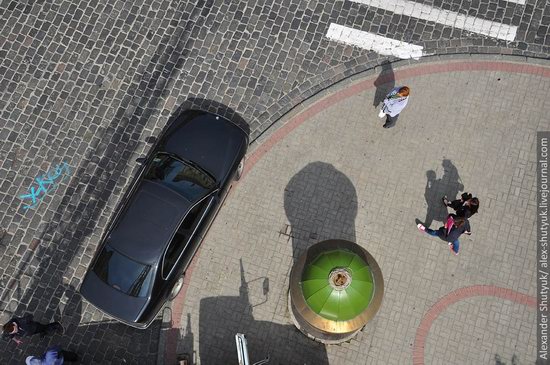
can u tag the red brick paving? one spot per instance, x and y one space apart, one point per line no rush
454 297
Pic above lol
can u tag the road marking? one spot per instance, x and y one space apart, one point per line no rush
382 45
446 17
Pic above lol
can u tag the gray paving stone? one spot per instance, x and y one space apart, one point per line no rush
345 189
86 82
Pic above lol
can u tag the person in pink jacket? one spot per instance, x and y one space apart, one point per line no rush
394 103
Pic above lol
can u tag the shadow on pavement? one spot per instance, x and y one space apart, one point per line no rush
187 341
63 240
449 184
104 342
320 203
222 317
499 361
383 83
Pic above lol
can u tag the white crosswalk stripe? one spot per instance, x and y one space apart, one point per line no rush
392 47
382 45
446 17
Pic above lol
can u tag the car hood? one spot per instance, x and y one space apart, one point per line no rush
111 301
210 141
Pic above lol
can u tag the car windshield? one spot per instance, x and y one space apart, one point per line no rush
122 273
186 179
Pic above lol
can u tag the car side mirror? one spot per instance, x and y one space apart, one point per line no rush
141 160
151 139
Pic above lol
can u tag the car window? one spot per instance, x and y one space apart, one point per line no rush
122 273
189 181
184 232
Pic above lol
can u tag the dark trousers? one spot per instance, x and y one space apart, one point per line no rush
42 328
441 234
69 356
390 121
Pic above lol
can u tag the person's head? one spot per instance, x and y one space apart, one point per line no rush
9 327
473 203
459 221
404 91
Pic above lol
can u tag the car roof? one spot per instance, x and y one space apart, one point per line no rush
146 226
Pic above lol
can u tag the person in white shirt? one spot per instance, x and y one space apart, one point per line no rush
394 103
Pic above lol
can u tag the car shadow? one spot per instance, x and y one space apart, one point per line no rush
222 317
66 243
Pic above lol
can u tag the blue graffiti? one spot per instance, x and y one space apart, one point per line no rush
46 184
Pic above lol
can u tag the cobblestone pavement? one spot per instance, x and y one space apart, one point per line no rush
82 84
332 171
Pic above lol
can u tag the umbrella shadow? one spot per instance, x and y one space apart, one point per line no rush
320 203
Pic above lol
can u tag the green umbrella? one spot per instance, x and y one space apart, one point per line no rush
337 285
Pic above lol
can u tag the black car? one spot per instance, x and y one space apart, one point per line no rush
164 216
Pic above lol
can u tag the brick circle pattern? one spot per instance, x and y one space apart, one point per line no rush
454 297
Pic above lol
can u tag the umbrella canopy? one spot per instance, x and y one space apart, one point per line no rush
337 285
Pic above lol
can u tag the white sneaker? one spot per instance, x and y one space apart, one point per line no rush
381 114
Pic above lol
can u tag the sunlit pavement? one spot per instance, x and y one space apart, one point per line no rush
332 171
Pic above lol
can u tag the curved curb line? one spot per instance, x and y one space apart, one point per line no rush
454 297
320 103
399 75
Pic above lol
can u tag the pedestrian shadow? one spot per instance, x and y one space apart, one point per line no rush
514 360
222 317
384 83
448 184
320 203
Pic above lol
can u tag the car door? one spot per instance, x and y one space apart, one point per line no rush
185 242
219 197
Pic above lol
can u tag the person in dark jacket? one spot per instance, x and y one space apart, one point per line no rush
18 327
450 232
54 355
465 207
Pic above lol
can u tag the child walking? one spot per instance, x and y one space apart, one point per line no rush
453 228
